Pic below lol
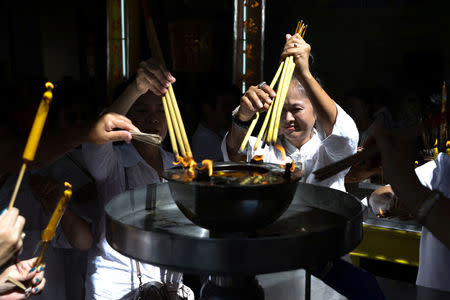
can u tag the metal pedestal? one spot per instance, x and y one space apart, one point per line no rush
320 224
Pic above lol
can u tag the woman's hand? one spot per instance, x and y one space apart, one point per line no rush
21 272
297 47
255 99
11 226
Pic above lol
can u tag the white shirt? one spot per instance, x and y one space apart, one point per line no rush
111 275
206 144
434 260
318 152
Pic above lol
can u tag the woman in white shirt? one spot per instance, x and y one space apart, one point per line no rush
315 132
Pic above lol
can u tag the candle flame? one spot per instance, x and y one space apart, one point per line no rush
381 211
435 143
187 162
283 152
258 157
207 164
447 144
191 164
292 167
180 160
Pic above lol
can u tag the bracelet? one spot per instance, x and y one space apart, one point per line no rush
427 205
241 124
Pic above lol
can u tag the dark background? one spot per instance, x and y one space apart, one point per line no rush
400 45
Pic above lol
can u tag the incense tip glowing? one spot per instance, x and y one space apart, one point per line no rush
49 85
207 164
258 157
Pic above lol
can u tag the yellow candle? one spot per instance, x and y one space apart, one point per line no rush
49 231
38 124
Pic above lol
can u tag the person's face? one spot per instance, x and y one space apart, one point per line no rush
298 116
147 114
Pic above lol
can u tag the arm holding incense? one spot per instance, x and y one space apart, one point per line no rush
20 272
151 76
255 99
57 142
324 106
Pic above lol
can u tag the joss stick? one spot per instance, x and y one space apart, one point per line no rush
291 67
173 118
255 120
34 137
170 127
270 137
283 87
180 122
269 112
175 124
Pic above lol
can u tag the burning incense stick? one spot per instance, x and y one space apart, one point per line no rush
255 120
34 137
269 112
270 127
174 121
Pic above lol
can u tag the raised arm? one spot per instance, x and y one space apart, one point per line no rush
323 105
151 76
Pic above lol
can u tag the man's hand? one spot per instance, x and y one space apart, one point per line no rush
297 47
21 272
153 75
103 130
11 226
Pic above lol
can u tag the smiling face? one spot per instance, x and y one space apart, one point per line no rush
147 114
298 116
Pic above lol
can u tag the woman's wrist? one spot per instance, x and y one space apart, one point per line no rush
237 114
303 75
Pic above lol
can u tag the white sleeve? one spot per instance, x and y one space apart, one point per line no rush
248 149
435 174
343 140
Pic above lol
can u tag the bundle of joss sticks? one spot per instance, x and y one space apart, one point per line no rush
269 129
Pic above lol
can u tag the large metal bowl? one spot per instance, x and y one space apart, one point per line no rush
232 207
